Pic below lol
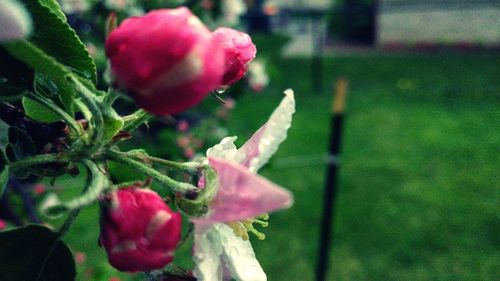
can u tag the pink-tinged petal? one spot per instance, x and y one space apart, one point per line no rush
250 149
242 194
257 151
224 150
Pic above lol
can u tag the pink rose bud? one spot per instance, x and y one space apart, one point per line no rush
239 51
167 60
3 224
138 230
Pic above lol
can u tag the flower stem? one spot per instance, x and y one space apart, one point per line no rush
97 182
57 110
174 185
62 231
187 166
90 100
37 159
110 97
134 120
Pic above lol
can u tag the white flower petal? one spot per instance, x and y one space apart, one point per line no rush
207 255
275 132
224 150
239 256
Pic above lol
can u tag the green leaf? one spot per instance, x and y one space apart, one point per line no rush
22 144
54 50
38 112
14 79
35 253
45 87
4 173
55 8
199 206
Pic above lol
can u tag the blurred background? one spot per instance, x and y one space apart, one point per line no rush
418 191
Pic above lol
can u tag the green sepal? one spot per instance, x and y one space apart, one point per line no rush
112 123
200 205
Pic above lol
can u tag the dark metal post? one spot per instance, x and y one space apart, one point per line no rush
331 179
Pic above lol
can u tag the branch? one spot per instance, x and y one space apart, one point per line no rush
174 185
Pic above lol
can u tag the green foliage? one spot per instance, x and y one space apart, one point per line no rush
121 173
54 50
14 79
38 112
418 188
112 122
54 7
21 143
35 253
4 172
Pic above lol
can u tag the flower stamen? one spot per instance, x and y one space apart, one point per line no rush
242 228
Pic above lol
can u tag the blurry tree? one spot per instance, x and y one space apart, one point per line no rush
353 21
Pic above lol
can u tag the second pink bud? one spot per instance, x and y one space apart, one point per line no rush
239 50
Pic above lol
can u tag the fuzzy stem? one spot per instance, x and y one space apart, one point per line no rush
63 230
91 101
187 166
174 185
110 97
93 189
37 159
134 120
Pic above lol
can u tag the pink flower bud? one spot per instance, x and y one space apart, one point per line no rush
138 230
80 257
167 60
183 141
3 224
188 152
182 126
239 51
39 188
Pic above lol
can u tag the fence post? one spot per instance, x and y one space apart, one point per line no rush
337 115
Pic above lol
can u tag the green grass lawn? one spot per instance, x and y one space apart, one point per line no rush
419 182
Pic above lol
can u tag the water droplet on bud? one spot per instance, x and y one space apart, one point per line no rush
221 90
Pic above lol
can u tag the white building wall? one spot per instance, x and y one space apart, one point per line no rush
439 22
